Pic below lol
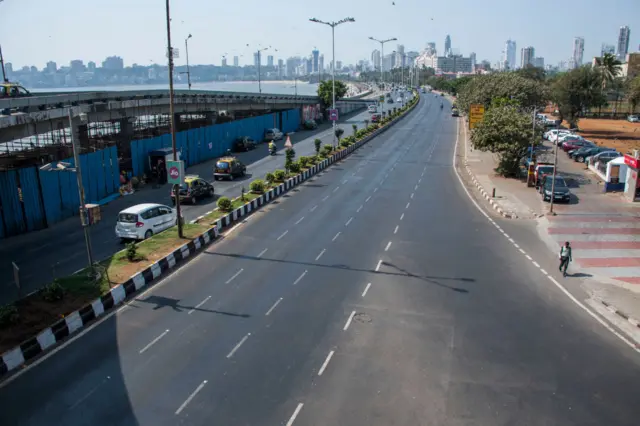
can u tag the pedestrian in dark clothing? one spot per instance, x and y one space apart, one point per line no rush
565 258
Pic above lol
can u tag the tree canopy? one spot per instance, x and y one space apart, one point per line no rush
325 91
576 91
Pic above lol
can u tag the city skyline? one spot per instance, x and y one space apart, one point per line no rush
420 23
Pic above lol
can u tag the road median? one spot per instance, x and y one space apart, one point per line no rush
41 320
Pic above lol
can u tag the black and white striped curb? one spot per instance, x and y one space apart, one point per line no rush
634 322
75 321
486 196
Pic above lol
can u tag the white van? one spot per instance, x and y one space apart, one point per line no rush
141 221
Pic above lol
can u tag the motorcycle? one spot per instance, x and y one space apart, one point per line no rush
272 150
441 106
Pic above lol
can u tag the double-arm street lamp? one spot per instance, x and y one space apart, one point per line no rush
333 26
186 51
259 60
382 43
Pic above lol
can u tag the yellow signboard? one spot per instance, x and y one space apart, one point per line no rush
476 114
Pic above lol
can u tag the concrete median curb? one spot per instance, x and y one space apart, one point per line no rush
486 196
32 348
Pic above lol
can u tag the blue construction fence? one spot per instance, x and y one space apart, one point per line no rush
205 143
31 199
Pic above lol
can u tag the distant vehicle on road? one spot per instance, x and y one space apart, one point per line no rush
633 119
375 118
390 101
372 108
142 221
273 135
13 90
192 189
455 113
229 168
244 144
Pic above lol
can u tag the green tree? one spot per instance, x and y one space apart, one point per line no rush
325 91
609 68
633 93
532 73
482 89
290 155
506 131
317 143
576 91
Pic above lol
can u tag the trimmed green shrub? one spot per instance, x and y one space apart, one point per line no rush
8 315
257 186
317 143
53 292
339 132
270 178
355 128
224 204
304 162
279 175
132 251
294 167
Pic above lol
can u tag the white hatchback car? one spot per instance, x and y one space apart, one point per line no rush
143 220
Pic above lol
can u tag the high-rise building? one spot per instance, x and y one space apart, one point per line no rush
431 49
338 65
270 60
256 59
321 63
91 66
280 68
623 42
52 67
376 59
76 65
472 56
315 54
400 58
8 67
447 45
509 57
578 51
113 63
607 48
527 54
224 61
538 62
236 61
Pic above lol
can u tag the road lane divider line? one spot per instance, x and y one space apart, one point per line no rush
325 363
300 277
299 220
387 247
325 198
378 265
282 235
366 289
295 414
236 347
522 251
195 308
395 231
154 341
402 216
415 188
313 208
359 208
349 221
188 400
262 253
320 255
543 271
336 236
536 264
349 320
375 190
273 306
234 276
528 257
408 204
412 195
560 287
368 198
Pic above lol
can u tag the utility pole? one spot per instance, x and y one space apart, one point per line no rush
4 76
186 48
553 182
533 141
333 26
172 118
382 43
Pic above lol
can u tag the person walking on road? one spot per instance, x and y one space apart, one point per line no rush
565 258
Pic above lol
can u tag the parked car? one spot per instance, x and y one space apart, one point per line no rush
192 189
581 154
542 170
273 134
228 168
633 119
561 191
552 134
568 137
571 144
603 157
144 220
455 113
244 144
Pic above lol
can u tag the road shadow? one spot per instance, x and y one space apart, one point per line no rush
399 271
579 275
161 302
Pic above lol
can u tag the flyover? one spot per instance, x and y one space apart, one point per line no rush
29 116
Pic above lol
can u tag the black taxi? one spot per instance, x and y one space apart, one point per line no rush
193 188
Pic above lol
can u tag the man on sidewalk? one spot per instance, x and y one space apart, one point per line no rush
565 258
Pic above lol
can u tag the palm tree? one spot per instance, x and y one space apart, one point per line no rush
609 68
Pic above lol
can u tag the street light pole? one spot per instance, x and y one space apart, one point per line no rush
382 43
172 117
533 141
553 181
83 209
186 48
4 76
333 26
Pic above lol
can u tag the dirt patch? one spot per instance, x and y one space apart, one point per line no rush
620 135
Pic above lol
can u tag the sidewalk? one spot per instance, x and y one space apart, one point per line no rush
603 229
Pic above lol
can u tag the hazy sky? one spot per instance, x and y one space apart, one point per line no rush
35 31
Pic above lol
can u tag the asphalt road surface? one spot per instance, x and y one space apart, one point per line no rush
60 250
374 294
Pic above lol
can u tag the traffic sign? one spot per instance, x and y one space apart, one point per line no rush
333 114
476 114
175 172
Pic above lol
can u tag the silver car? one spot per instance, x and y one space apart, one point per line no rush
273 134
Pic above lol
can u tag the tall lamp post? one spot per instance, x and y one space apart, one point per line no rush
333 26
186 51
382 43
172 117
259 53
